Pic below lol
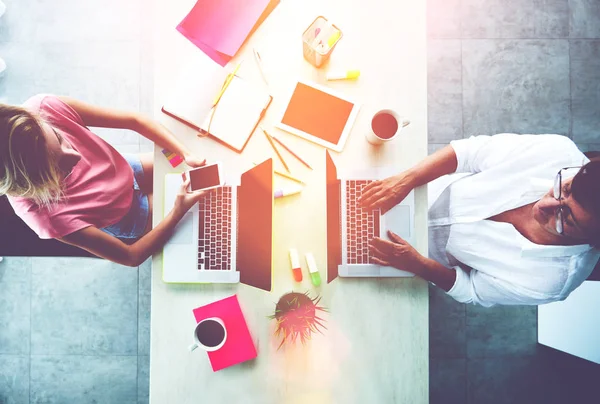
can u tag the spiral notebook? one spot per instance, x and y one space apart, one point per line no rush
234 118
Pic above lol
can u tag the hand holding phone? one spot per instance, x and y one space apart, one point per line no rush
205 177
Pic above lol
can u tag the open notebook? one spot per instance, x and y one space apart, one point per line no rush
236 115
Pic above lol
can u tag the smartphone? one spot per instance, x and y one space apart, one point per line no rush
206 177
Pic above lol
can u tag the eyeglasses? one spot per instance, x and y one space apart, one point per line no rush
562 211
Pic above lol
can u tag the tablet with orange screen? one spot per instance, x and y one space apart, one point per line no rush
319 114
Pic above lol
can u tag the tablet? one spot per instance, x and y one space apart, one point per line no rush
319 114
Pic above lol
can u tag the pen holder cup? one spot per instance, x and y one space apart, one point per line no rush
319 40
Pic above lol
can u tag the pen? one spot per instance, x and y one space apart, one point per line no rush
289 177
275 148
259 63
291 152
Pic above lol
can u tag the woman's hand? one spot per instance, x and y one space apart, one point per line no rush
396 253
387 193
192 161
185 200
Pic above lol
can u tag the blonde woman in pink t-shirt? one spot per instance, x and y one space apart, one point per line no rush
67 183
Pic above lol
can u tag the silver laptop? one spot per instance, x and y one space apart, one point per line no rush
350 228
227 236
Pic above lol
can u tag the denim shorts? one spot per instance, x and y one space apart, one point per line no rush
131 227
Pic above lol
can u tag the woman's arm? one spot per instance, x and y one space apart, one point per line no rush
111 248
93 115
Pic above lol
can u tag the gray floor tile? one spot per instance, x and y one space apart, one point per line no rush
585 147
14 379
146 146
447 332
447 381
17 81
444 91
585 90
145 280
70 21
433 147
443 18
143 376
15 299
515 19
83 306
501 331
102 73
519 86
147 79
584 18
77 379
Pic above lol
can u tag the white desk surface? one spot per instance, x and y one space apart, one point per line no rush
375 349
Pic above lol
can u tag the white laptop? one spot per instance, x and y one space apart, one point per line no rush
350 228
227 236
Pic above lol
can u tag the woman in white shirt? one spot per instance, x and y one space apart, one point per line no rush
513 219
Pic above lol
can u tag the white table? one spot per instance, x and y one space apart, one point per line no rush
376 347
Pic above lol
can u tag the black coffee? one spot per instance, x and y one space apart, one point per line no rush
384 125
210 333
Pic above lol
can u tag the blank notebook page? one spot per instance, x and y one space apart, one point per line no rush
237 113
194 90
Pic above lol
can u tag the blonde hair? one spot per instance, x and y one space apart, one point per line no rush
27 168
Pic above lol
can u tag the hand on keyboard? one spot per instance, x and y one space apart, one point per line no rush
396 253
387 193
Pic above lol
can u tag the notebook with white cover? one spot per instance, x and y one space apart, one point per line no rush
236 115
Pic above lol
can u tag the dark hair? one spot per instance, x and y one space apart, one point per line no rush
586 191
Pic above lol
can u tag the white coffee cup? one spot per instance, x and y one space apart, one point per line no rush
209 330
386 124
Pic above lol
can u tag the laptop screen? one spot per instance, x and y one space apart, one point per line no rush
334 245
255 226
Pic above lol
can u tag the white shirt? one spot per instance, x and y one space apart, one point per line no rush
494 263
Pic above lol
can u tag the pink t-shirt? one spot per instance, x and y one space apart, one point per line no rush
98 191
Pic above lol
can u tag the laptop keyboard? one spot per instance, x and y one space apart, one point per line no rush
362 225
214 235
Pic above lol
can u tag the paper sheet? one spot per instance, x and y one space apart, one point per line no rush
220 27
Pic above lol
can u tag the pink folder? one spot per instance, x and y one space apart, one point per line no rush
238 346
220 27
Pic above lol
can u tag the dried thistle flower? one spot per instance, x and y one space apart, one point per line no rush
296 316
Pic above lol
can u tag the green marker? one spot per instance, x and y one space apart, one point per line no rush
315 276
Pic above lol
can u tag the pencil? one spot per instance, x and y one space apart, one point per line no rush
226 84
259 63
275 148
291 152
289 177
